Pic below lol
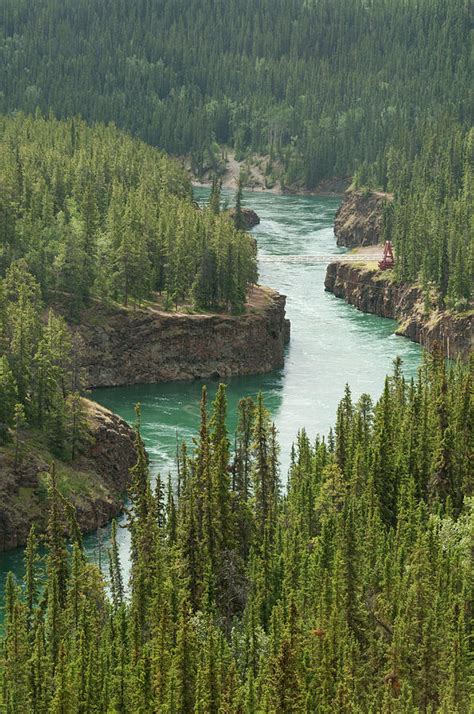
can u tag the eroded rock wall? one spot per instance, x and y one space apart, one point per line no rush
370 290
147 346
358 221
95 482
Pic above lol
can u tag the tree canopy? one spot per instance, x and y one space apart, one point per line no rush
376 89
95 213
324 85
350 592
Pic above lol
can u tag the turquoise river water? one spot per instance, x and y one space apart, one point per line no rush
331 344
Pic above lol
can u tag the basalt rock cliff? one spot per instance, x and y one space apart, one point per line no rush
95 482
145 346
370 290
358 221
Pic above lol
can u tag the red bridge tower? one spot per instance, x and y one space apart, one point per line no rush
388 261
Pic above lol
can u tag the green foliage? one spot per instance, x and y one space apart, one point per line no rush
349 593
39 376
322 86
431 220
19 421
215 196
8 391
239 219
93 213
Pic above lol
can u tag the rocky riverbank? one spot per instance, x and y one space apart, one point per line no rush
123 346
358 221
95 482
370 290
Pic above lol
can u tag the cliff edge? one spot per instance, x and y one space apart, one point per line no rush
95 482
123 346
358 221
373 291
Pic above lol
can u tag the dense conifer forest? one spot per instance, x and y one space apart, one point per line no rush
40 377
350 593
379 89
88 214
431 219
323 85
349 587
97 214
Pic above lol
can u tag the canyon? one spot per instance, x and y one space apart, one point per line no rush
358 224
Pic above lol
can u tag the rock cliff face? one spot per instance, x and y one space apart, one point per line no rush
371 291
95 483
358 221
146 346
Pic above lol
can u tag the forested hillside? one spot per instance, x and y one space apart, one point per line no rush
96 213
350 593
349 587
87 213
431 220
324 85
40 381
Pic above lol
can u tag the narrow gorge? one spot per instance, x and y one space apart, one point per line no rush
372 291
122 347
358 224
161 358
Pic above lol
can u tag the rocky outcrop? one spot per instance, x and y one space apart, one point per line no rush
146 346
251 219
95 482
370 290
358 221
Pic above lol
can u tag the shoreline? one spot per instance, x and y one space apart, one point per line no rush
358 226
95 482
275 191
372 291
123 347
259 171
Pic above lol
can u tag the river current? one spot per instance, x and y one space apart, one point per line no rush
331 344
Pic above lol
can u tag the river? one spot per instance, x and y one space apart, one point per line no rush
331 344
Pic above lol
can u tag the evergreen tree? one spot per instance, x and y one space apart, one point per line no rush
8 394
215 196
87 227
350 592
239 219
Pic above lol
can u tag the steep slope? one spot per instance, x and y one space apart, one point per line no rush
148 345
358 221
371 290
95 482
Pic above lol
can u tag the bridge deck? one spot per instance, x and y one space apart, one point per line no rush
318 258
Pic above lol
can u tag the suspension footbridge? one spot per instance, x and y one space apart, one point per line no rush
311 259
